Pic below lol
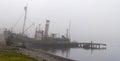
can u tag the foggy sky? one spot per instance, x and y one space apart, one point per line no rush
90 19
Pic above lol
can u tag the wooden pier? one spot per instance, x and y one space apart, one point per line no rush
92 45
89 45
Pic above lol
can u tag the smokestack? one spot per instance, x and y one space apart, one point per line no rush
46 28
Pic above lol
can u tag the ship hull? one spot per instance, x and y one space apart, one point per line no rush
13 39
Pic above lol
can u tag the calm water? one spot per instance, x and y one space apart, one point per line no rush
112 53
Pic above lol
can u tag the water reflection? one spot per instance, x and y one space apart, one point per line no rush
111 53
66 52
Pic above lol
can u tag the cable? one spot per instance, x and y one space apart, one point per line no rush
17 22
29 27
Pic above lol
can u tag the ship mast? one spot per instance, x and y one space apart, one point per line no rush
69 29
25 17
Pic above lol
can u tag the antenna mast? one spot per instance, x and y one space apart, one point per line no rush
25 17
69 28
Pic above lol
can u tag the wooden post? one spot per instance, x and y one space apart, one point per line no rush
99 45
91 44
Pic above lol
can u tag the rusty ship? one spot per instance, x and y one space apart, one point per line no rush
41 37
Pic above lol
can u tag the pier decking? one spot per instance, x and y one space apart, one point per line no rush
92 45
89 45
